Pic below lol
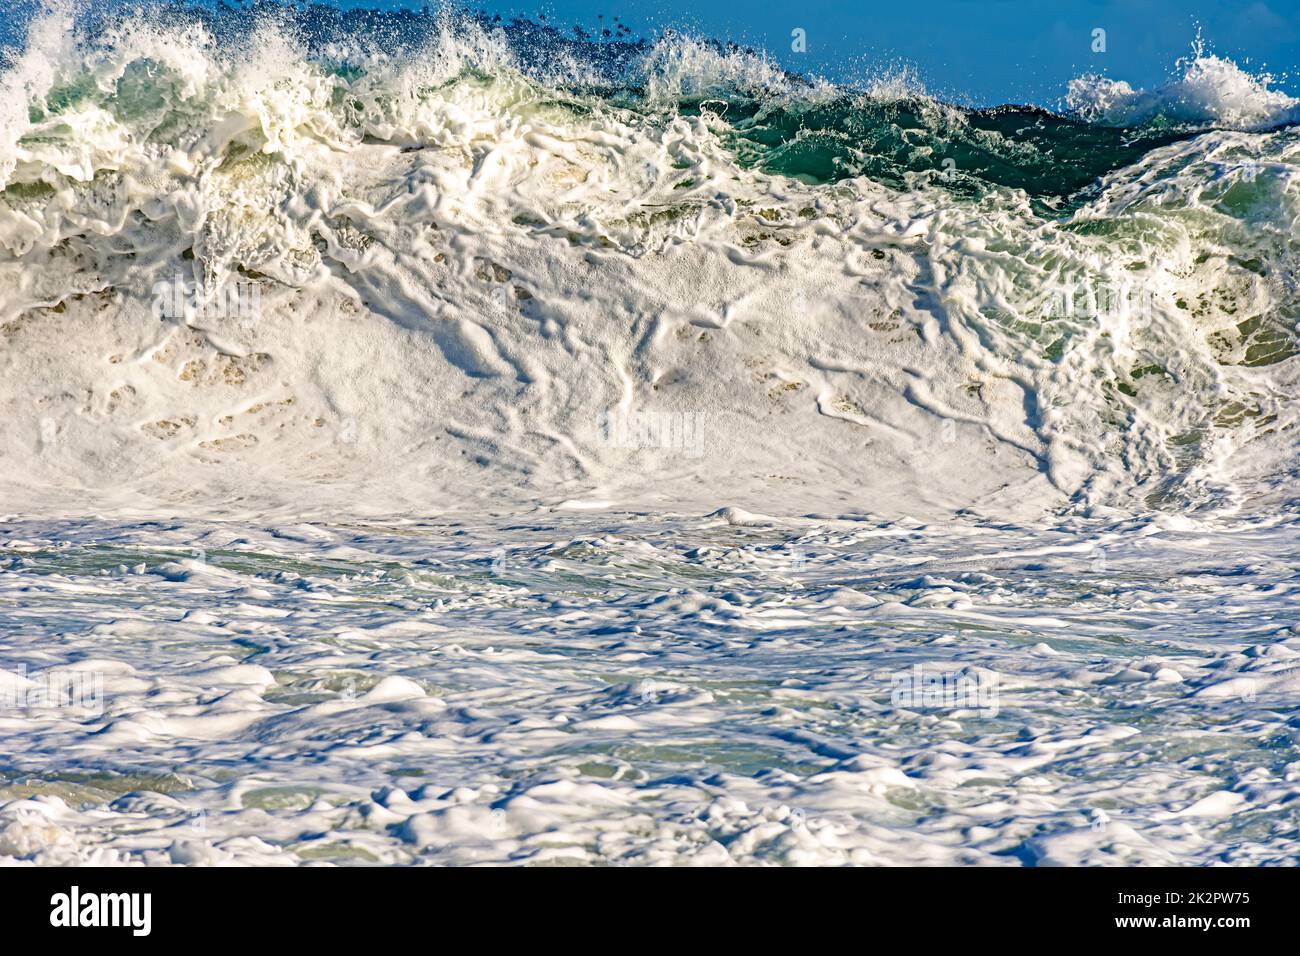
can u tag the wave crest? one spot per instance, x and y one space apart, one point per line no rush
1210 92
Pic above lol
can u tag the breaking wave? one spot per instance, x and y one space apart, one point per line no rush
246 257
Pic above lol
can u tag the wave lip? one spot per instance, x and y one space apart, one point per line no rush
1211 92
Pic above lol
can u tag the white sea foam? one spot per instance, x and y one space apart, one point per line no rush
445 254
1209 91
653 689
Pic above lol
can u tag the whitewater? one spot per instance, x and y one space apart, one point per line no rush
434 440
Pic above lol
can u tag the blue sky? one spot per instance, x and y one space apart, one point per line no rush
977 51
984 51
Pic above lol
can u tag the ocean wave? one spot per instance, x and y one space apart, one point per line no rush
241 254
